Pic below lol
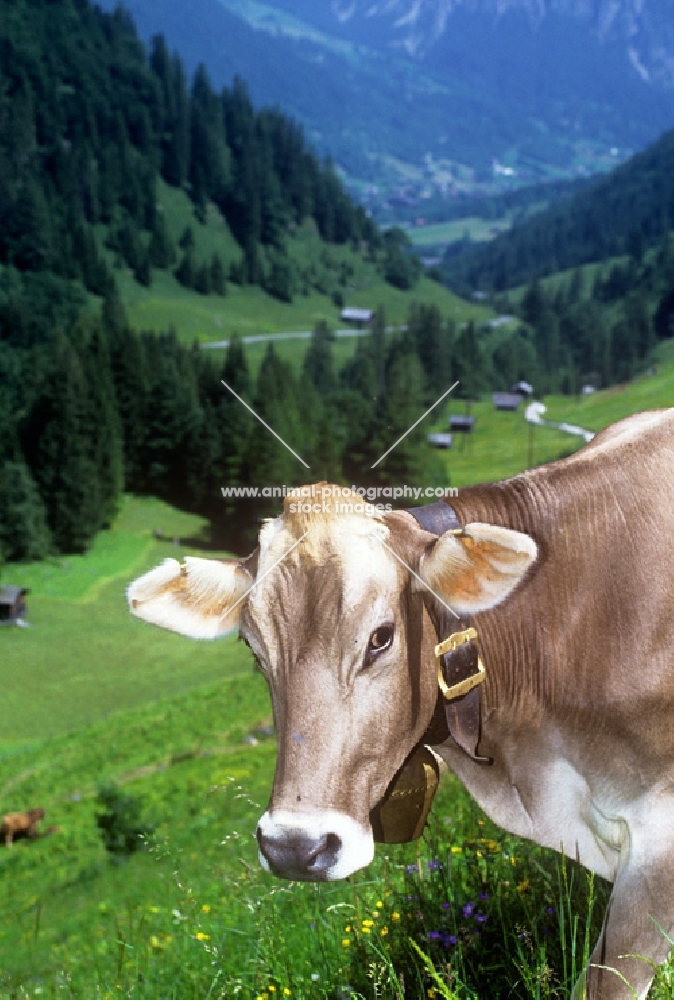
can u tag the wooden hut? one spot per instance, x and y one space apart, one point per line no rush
440 440
506 400
461 424
12 605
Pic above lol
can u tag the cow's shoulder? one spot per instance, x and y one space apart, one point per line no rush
652 428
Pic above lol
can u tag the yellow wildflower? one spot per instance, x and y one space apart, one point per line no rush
346 942
200 936
384 931
456 850
368 923
523 886
205 908
379 904
395 916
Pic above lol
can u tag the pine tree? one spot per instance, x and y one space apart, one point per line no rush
23 525
162 252
186 271
217 275
470 364
56 439
397 411
105 425
202 280
270 463
319 362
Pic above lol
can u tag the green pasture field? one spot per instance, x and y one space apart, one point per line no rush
83 657
501 445
479 231
650 391
249 311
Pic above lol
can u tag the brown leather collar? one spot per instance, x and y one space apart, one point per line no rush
462 714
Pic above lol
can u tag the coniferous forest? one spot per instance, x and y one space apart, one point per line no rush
90 124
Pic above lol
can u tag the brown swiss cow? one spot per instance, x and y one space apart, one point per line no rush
567 573
20 824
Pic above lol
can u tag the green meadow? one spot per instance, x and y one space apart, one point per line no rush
93 697
442 233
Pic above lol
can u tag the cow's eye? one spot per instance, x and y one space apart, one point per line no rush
381 639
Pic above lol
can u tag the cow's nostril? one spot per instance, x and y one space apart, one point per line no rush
292 854
325 852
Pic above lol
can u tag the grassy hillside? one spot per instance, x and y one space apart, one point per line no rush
249 310
83 657
501 444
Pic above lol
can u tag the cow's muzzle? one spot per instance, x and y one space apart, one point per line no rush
296 856
313 847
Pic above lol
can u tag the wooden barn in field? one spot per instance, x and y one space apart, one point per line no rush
13 605
461 424
506 400
440 440
359 317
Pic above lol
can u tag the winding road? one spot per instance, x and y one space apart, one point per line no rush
534 414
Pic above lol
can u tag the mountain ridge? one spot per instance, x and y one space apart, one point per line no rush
507 93
423 23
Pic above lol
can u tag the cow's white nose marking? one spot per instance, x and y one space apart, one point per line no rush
286 837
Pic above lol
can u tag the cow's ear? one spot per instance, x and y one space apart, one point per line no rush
201 598
476 570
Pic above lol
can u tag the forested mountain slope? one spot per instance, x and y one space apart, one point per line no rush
627 211
88 408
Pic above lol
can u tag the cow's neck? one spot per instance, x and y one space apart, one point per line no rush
459 717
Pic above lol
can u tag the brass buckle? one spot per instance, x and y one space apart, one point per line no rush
465 686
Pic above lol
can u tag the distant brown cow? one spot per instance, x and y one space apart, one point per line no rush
20 824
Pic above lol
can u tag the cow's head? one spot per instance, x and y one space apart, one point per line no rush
332 606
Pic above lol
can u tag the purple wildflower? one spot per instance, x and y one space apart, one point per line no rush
449 940
480 918
550 909
434 865
411 869
483 895
446 906
468 909
434 935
